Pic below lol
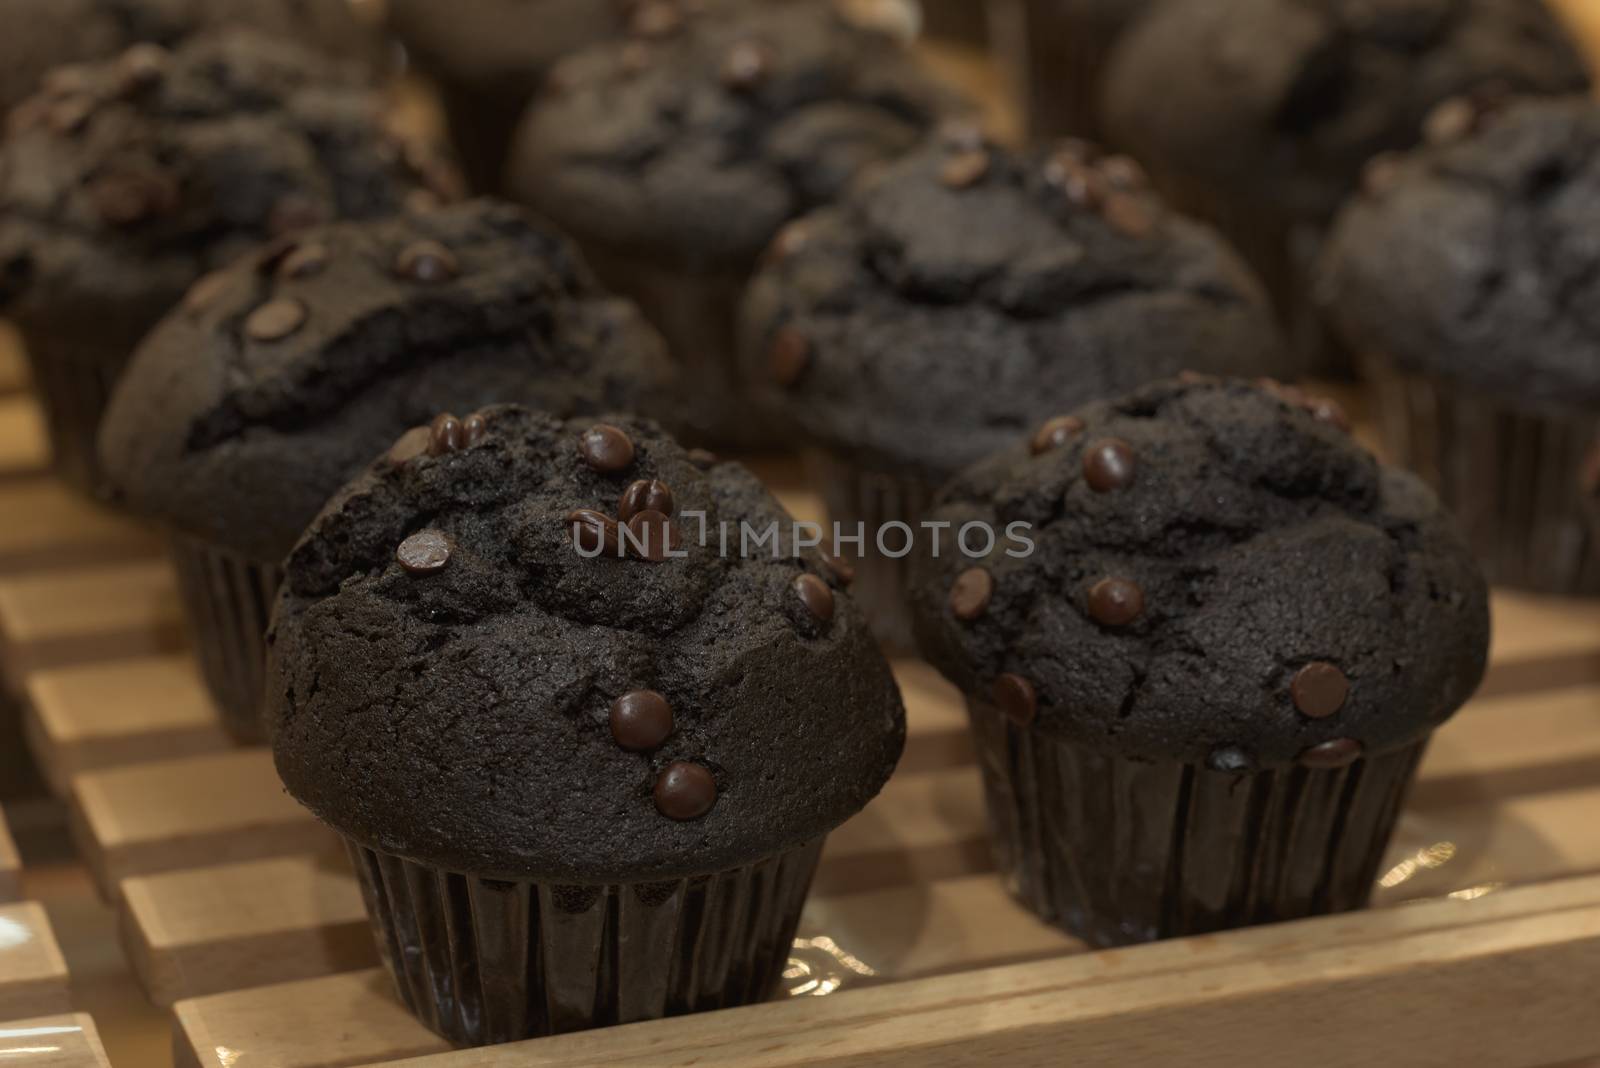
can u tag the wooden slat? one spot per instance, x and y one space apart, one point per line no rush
185 813
10 864
372 1032
1542 643
118 713
65 529
24 449
33 974
82 615
52 1042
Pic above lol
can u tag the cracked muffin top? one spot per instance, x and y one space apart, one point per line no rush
521 657
38 35
690 141
1283 101
1219 575
279 378
1474 258
966 293
122 182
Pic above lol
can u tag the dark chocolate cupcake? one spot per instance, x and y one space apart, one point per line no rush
1056 52
281 377
675 154
966 294
1200 691
585 771
1466 279
1261 114
37 36
123 182
489 57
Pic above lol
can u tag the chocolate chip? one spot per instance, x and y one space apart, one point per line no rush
606 448
970 593
1381 174
1328 410
1078 181
1108 464
640 720
746 66
142 67
68 79
789 356
426 261
473 428
594 532
303 261
1115 602
445 431
1129 215
656 18
791 239
645 495
1319 689
294 212
275 320
127 197
205 291
418 441
425 552
1056 433
1014 695
964 169
1123 172
962 135
652 536
1334 754
1450 120
634 57
816 596
703 458
422 201
685 791
1231 759
71 113
840 569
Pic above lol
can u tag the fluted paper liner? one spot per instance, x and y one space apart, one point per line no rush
1118 851
484 961
1056 61
228 601
73 380
1513 478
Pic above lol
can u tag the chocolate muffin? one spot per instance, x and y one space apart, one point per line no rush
584 771
122 182
1056 52
675 154
1465 277
489 57
1261 114
39 35
281 377
1202 678
965 295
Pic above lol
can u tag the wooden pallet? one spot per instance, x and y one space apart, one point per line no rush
33 973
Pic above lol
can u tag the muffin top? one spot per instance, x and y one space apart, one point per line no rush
37 35
1474 258
278 379
123 181
1283 101
964 294
466 672
693 139
501 46
1218 574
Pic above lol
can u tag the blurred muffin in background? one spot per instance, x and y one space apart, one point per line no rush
122 182
1467 278
1260 114
488 57
967 295
285 374
38 35
675 154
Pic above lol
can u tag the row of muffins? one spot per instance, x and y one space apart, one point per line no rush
582 753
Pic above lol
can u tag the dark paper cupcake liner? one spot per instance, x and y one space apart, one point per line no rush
228 601
882 583
697 314
1513 478
1119 851
73 380
485 961
1055 62
482 129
